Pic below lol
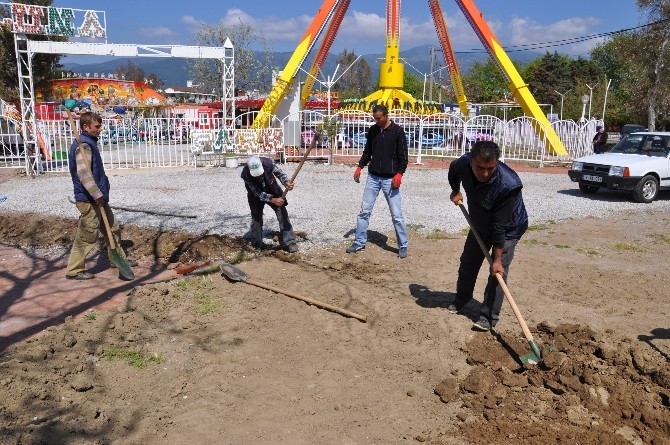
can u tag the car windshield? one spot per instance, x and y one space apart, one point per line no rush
643 144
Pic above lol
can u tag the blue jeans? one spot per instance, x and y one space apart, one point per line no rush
373 186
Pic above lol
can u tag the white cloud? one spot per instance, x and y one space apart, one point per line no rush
524 31
158 32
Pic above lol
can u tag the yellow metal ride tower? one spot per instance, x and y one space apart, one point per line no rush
392 70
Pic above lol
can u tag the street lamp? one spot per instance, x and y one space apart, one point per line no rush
331 80
590 96
585 100
562 100
607 87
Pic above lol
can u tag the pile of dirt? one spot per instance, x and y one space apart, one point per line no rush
161 246
589 389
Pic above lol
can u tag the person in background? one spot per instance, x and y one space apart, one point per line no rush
262 188
386 156
91 194
600 140
498 214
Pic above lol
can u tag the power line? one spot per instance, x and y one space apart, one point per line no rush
563 42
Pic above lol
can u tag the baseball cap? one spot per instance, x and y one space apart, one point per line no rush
255 166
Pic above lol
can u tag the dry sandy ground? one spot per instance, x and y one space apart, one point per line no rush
207 361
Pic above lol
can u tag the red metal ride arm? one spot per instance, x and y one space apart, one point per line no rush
449 58
324 49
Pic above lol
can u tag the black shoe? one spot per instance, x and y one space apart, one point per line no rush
355 248
482 325
402 252
454 309
81 276
293 248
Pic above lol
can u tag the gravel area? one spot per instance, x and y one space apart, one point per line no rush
323 204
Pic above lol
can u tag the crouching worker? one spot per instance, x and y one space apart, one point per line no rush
260 177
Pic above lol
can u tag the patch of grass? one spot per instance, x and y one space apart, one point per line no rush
90 316
465 231
536 227
532 242
206 304
415 227
627 247
239 257
439 234
134 358
662 237
561 246
592 252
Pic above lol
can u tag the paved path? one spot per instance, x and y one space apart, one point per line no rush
36 294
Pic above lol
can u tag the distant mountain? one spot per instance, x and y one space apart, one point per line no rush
176 71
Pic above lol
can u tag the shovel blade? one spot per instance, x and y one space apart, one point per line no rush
233 273
122 265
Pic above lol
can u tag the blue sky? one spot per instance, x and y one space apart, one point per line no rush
515 22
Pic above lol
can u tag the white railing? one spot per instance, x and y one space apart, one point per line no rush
162 142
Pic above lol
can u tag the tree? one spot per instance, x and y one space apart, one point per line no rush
413 85
485 82
250 71
130 71
357 82
658 45
44 65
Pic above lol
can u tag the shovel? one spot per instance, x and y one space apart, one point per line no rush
302 161
534 357
235 274
118 259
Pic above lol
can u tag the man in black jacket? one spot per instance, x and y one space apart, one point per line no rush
259 179
386 156
499 216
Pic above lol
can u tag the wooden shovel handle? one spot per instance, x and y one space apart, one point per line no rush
330 307
302 161
501 281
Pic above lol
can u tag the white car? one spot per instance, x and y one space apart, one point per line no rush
640 163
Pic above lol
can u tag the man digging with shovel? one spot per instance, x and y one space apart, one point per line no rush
91 192
497 214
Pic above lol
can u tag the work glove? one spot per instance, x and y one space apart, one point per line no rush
397 179
357 174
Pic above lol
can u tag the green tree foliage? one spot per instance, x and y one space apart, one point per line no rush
413 85
485 83
559 72
621 59
250 72
357 81
44 65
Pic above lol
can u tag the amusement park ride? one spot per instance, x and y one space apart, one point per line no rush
391 72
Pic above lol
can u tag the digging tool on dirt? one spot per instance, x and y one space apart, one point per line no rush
304 158
235 274
535 357
118 259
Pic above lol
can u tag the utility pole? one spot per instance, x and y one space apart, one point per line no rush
432 63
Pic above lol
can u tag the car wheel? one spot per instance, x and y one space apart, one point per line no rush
588 189
646 190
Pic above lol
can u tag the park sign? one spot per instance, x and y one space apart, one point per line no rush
52 21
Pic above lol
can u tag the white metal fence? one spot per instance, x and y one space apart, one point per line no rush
161 142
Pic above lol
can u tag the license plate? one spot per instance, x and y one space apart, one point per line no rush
592 178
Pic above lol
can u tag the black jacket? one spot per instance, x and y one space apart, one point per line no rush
496 207
385 151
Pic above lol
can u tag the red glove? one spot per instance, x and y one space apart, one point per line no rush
357 174
397 179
